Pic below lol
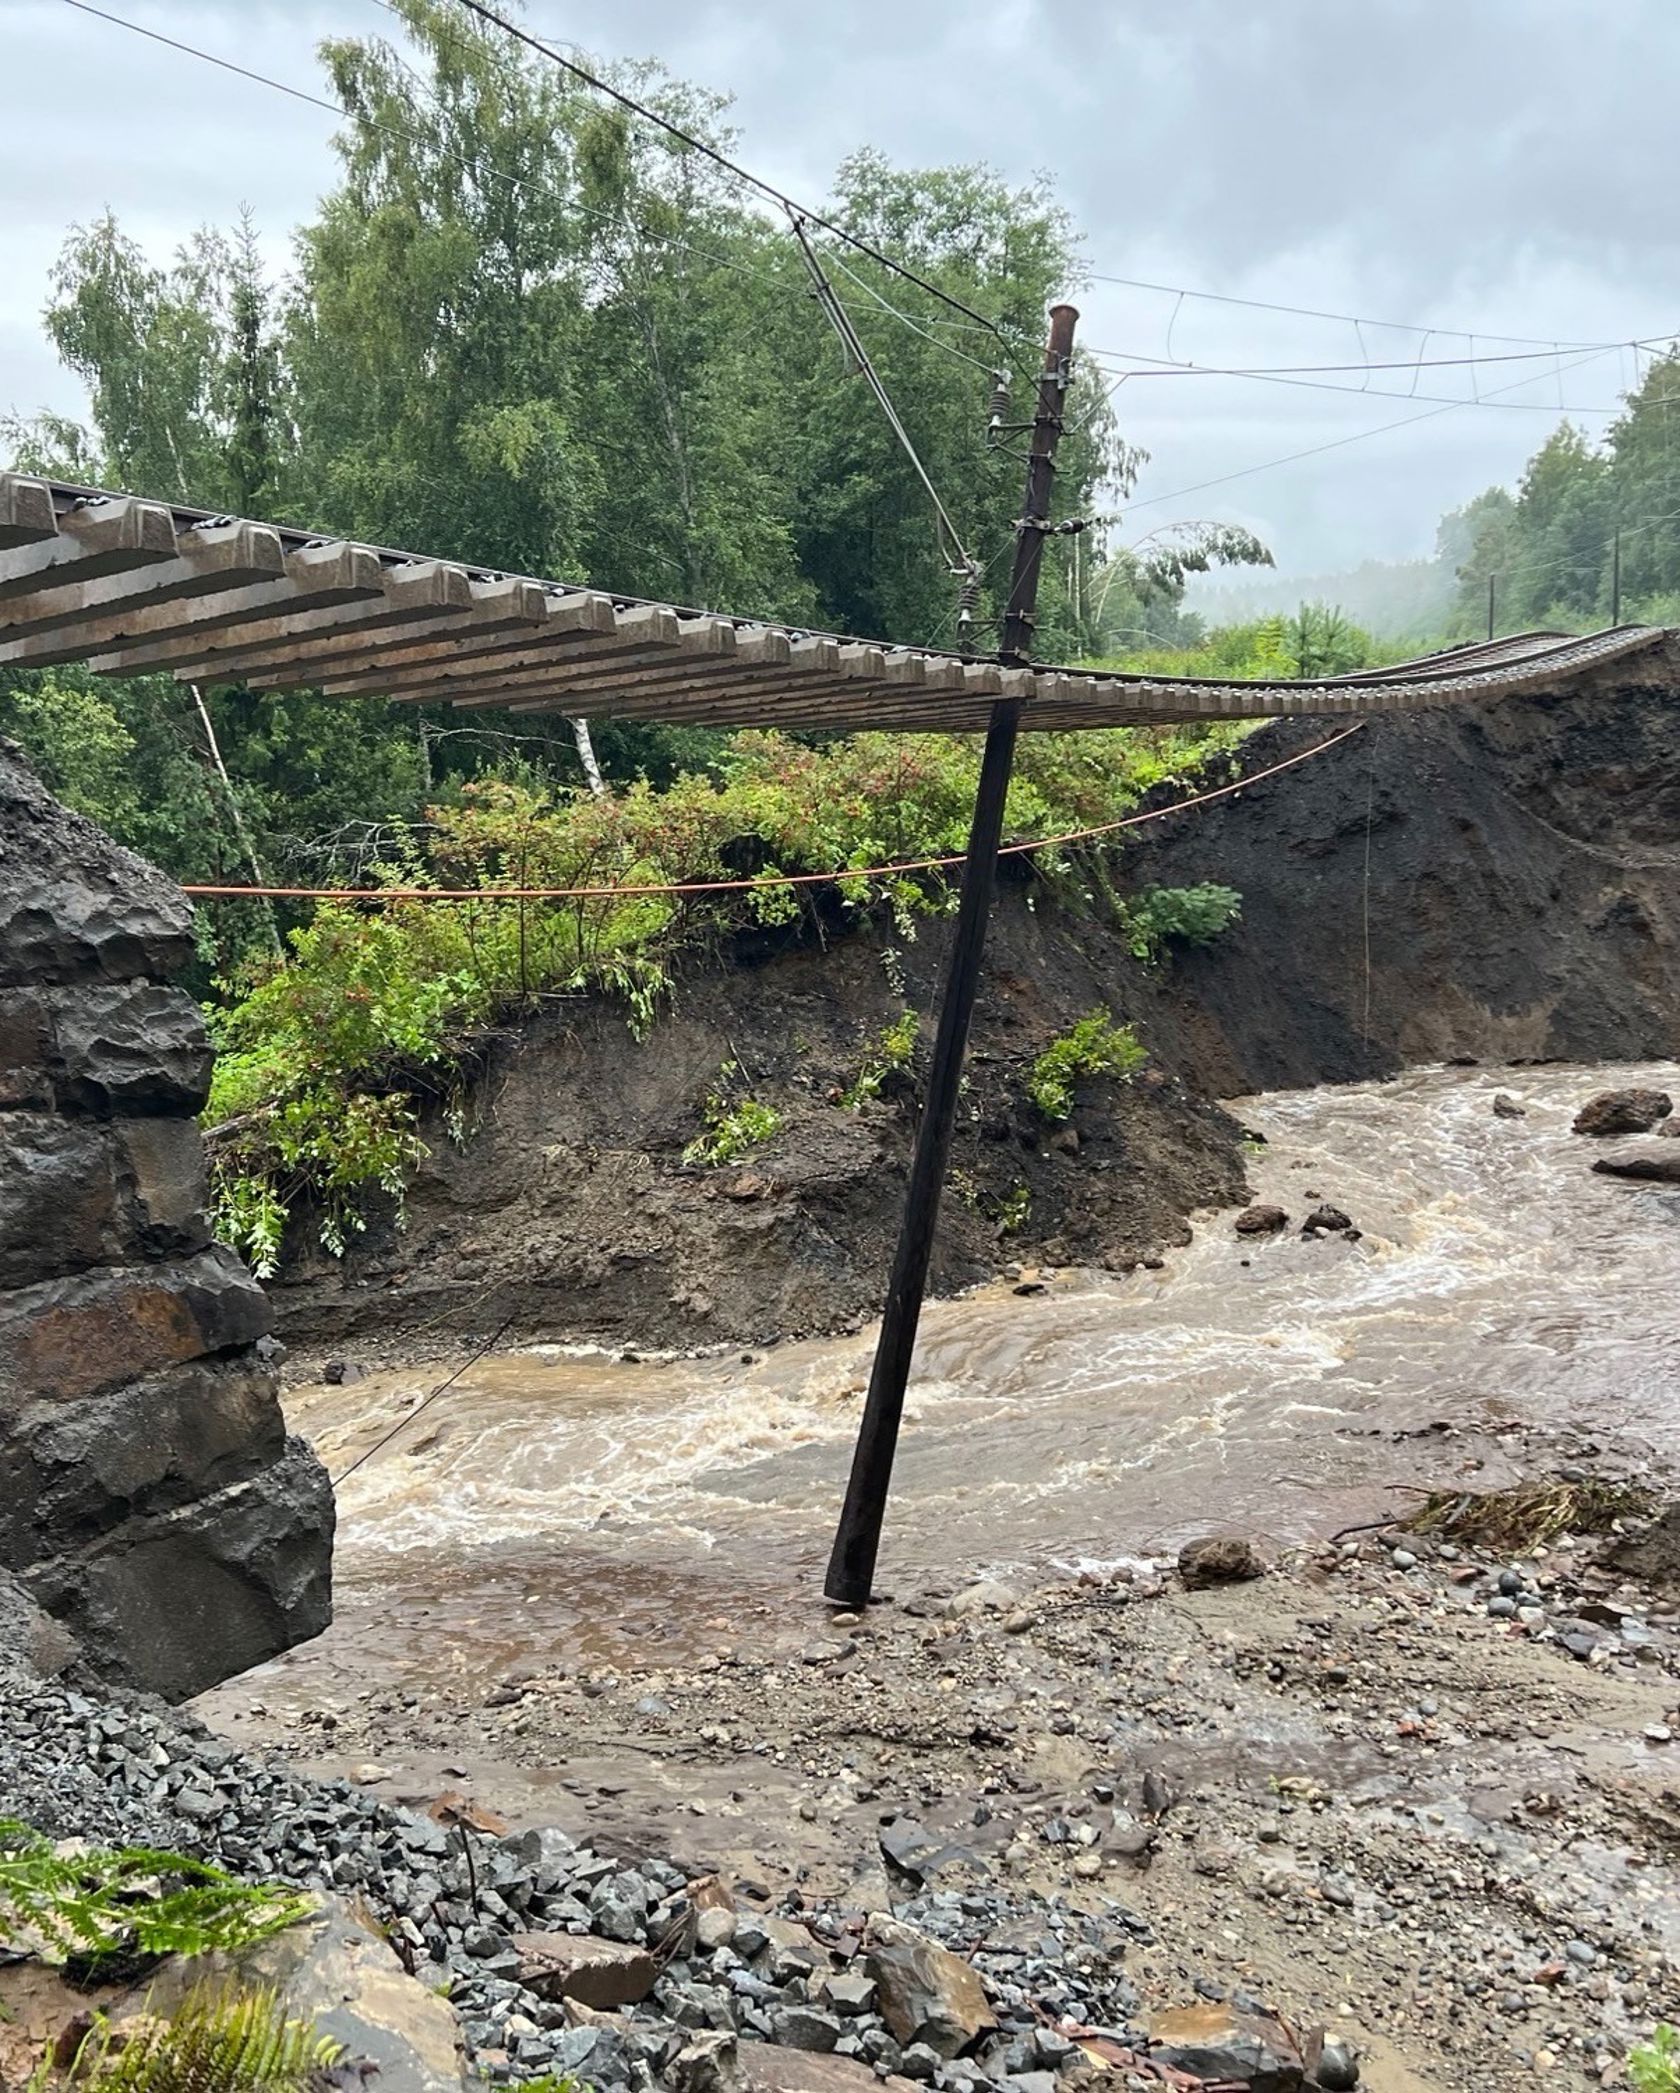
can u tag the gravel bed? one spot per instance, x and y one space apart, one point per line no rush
456 1901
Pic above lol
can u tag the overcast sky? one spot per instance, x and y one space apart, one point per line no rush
1466 166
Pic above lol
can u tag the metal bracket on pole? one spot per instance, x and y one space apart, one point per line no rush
851 1568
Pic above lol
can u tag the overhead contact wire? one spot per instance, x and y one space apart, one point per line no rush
841 321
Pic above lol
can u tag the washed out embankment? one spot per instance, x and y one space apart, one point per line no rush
1495 883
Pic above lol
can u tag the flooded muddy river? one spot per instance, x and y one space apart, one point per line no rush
565 1502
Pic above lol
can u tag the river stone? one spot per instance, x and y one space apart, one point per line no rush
926 1993
1650 1166
848 1995
1261 1220
804 2027
605 1974
1652 1555
1505 1106
1221 2044
619 1907
1623 1112
1221 1558
1331 2064
547 1852
708 2062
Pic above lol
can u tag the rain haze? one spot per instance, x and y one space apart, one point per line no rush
1504 170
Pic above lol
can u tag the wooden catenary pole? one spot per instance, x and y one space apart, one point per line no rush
851 1568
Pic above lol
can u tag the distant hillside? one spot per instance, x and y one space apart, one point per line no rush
1392 599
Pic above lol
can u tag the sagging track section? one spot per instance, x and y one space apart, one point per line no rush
132 587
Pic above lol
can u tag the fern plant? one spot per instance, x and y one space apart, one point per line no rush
98 1911
216 2042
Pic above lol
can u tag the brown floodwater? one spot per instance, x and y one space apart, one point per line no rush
558 1503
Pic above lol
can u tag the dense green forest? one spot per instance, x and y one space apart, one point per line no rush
528 332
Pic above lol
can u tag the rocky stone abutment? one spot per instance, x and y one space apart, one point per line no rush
149 1496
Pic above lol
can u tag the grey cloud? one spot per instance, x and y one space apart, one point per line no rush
1508 164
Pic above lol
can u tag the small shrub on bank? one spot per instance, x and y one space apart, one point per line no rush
1164 916
1096 1046
733 1125
894 1049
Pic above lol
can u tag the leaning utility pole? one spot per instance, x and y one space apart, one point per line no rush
851 1567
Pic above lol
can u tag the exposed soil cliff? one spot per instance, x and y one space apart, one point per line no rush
1500 883
1495 883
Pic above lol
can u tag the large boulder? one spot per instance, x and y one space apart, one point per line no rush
1225 2047
150 1500
764 2067
926 1993
44 1645
604 1974
1623 1112
336 1970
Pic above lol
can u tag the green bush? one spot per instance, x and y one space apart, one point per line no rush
1654 2066
732 1125
1162 916
1096 1046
